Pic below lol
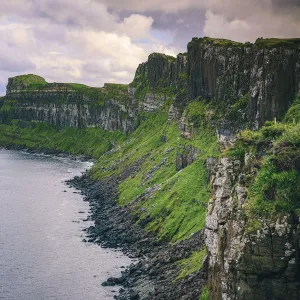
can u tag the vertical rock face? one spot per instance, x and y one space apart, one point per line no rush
69 105
218 72
274 82
162 78
242 265
222 70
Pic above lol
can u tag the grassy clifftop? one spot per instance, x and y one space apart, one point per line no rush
28 79
271 158
260 42
28 84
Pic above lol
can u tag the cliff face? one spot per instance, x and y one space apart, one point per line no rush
161 79
225 71
221 71
218 71
70 105
247 265
252 221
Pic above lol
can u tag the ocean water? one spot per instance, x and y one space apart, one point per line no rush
42 255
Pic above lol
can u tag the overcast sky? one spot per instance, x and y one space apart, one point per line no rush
97 41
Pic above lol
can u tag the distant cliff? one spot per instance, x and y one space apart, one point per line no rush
219 71
30 97
222 71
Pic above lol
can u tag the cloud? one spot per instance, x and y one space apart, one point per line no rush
95 41
12 59
84 13
136 26
249 29
67 41
242 20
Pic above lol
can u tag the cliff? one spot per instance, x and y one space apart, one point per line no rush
31 98
205 172
252 222
221 72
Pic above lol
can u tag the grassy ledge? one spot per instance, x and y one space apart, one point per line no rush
191 264
89 141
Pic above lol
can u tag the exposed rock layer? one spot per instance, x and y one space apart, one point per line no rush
215 70
242 265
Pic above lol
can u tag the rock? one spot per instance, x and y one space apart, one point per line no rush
246 265
186 156
269 76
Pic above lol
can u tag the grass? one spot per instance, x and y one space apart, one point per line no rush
211 114
293 114
205 295
191 264
89 141
161 55
216 42
177 208
260 43
29 79
273 173
110 91
274 42
97 96
274 192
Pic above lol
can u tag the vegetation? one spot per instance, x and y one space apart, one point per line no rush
191 264
273 42
159 87
176 203
7 106
29 79
275 187
293 114
216 42
210 114
205 294
161 55
261 42
274 192
88 141
110 91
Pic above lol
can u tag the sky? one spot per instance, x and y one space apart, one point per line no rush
98 41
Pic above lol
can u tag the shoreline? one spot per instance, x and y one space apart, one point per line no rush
154 276
48 153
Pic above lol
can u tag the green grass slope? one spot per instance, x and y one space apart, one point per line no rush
88 141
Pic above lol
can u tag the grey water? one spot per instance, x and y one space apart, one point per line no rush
42 256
